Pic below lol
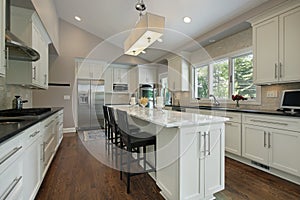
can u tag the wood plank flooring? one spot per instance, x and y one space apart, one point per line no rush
75 174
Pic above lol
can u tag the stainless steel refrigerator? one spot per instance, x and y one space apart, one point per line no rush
90 102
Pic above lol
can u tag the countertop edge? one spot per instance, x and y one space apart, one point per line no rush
29 124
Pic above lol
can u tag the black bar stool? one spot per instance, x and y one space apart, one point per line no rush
133 141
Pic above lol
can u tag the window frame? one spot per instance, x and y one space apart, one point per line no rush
230 57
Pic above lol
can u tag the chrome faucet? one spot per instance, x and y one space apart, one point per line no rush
216 102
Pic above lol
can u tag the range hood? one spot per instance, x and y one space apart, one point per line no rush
17 50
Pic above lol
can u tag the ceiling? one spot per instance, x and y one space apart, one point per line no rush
113 20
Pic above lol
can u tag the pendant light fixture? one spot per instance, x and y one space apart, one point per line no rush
148 29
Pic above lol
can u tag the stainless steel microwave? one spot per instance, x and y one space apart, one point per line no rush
120 87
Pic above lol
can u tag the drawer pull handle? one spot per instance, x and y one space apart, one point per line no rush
276 123
10 188
269 140
265 144
10 154
49 124
34 134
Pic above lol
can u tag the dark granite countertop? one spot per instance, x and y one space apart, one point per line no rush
8 130
253 111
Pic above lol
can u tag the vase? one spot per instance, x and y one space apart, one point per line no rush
237 104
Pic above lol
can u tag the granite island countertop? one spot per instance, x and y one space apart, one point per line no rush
11 129
168 118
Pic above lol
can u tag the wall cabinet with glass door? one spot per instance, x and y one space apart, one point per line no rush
275 49
28 27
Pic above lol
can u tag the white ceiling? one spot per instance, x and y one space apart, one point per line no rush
113 19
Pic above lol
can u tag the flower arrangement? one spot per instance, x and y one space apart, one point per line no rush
237 98
144 101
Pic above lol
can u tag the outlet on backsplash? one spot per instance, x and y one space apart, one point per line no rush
272 94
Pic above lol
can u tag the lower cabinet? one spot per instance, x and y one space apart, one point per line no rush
24 159
233 128
11 169
31 162
195 170
268 140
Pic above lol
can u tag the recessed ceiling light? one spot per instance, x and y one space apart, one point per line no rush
211 40
143 52
77 18
187 20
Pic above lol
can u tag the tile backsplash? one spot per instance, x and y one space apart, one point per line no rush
8 93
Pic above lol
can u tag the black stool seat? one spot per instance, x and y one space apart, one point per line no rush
133 141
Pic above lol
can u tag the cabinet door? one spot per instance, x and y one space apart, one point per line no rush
265 50
284 150
214 160
290 46
174 74
31 168
254 144
233 138
108 80
2 36
120 75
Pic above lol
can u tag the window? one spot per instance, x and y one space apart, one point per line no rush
224 77
220 81
201 82
243 76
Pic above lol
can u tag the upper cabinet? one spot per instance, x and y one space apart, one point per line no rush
178 74
120 75
27 26
2 38
89 69
147 74
276 47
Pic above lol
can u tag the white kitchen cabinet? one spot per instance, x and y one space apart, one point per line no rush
108 79
233 128
11 181
31 161
272 141
120 75
178 74
147 74
11 168
27 26
275 53
49 142
89 69
200 155
2 38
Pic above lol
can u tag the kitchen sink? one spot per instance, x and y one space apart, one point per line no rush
7 121
23 112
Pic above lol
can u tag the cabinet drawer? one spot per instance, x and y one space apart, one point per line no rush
11 181
285 123
31 134
10 151
233 116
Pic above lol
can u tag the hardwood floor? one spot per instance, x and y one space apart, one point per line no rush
75 174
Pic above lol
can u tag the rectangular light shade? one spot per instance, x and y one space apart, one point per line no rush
146 32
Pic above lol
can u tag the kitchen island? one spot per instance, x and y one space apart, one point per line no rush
190 151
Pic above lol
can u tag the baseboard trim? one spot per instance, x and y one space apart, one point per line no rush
69 130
